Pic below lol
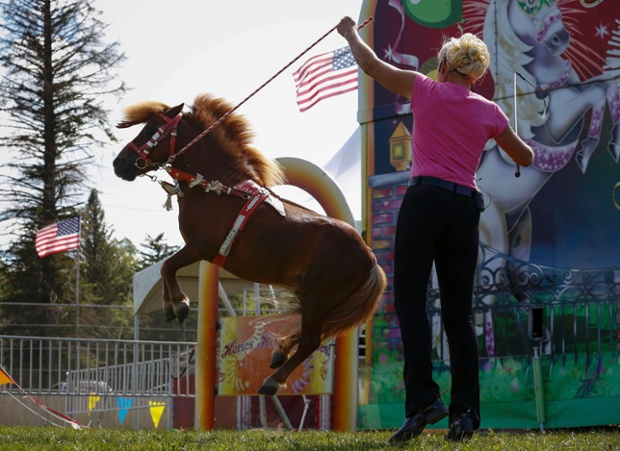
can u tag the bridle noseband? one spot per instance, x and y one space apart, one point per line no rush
168 128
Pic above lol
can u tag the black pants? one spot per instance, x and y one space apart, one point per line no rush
438 225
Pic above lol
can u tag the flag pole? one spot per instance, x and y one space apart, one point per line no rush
77 279
61 237
77 294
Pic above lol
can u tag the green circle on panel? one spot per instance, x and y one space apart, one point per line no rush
434 13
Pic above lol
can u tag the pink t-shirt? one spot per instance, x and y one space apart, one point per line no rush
451 125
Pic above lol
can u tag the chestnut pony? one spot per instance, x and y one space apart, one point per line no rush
230 217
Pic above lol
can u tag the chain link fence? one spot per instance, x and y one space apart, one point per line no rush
92 322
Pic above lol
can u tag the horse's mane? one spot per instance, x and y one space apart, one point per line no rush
234 135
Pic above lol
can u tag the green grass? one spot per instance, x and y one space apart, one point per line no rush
52 438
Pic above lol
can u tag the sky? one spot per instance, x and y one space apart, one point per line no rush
228 48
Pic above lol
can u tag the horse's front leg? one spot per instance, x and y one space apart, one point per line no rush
176 302
613 101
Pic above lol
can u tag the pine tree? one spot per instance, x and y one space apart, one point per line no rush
154 250
57 74
153 325
106 276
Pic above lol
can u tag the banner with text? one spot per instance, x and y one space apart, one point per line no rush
246 344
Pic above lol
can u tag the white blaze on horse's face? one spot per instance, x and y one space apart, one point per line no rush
539 22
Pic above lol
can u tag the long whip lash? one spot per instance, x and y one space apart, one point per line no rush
514 84
224 116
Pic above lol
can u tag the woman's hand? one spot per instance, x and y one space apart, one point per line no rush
346 26
396 80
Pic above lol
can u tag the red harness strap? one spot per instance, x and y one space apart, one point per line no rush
169 128
259 194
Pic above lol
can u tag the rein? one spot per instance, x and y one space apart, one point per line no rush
170 128
170 125
225 115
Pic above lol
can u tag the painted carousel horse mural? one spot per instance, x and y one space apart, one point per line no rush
551 110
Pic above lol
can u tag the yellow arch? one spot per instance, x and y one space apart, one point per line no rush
323 188
320 184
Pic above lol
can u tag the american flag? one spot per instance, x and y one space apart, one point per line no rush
324 76
59 237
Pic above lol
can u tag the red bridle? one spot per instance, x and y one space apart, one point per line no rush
168 128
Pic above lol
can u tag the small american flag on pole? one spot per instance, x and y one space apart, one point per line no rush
62 236
324 76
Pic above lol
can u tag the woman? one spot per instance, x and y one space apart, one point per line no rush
438 221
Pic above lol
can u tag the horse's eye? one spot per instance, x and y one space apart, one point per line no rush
148 131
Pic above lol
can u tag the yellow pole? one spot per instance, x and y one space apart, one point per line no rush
206 347
325 190
346 382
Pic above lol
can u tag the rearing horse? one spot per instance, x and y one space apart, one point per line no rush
230 217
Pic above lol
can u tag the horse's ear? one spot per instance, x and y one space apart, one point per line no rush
172 112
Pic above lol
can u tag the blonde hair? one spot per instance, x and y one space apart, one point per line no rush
468 55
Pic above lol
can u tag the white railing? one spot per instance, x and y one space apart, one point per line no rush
97 367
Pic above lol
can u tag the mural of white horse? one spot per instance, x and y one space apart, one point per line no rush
552 103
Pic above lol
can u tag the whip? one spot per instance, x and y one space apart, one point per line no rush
225 115
514 81
514 84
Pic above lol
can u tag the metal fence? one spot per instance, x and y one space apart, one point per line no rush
564 312
102 376
81 369
99 321
92 321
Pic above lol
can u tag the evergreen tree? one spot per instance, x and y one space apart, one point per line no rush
154 250
105 276
153 325
57 74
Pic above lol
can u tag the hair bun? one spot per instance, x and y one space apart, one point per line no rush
468 54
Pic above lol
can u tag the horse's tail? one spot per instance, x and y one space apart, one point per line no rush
358 307
352 311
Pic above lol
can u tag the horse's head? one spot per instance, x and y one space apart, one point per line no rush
538 23
222 151
154 145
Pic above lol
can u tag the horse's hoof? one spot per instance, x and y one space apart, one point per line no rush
169 312
269 387
267 390
181 310
277 360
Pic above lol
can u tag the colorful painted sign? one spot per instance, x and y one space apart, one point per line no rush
549 238
246 344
